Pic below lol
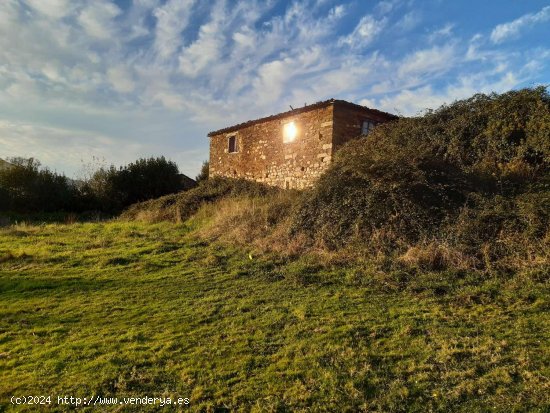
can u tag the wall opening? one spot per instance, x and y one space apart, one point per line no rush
232 144
367 127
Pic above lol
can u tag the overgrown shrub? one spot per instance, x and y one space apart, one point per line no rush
470 173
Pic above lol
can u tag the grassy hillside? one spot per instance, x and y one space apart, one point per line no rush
466 186
412 277
134 309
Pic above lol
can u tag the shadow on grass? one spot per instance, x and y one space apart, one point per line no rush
10 218
20 285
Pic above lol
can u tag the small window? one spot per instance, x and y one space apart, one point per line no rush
290 131
232 144
368 126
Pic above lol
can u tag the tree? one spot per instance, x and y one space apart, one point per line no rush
27 187
138 181
203 174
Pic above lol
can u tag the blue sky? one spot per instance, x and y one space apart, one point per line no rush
91 82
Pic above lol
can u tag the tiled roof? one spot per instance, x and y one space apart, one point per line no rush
295 112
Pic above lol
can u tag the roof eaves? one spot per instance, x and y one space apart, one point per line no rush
295 112
273 117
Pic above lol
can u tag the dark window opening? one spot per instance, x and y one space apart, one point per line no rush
368 126
232 144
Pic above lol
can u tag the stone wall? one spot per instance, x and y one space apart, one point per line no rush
348 121
262 156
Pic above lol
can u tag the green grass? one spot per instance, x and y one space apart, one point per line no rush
133 309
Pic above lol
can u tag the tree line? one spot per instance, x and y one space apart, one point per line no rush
26 186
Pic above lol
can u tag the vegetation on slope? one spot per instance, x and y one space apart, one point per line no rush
415 177
135 309
465 187
181 206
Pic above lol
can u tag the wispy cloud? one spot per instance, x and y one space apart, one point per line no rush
172 18
409 21
364 33
414 101
121 79
51 8
424 62
512 29
97 19
443 32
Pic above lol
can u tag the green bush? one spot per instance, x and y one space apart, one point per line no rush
115 189
468 171
26 187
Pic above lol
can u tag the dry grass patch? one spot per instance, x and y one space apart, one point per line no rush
437 256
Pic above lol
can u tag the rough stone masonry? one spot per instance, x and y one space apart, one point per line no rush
290 149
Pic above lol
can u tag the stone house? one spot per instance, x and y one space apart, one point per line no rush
290 149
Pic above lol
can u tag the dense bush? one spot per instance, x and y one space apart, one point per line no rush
115 189
26 187
470 172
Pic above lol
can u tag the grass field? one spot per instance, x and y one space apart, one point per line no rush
128 309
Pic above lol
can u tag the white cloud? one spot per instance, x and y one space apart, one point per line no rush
445 31
208 46
509 30
169 100
275 75
364 33
386 6
121 79
97 19
172 19
428 61
51 8
337 12
409 21
410 102
57 148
